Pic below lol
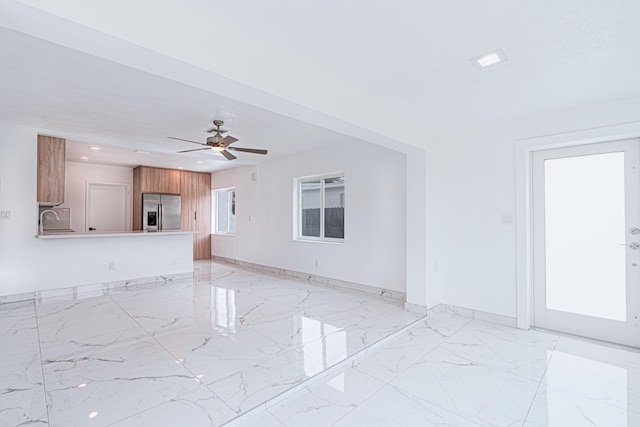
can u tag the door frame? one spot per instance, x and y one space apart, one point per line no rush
124 185
525 148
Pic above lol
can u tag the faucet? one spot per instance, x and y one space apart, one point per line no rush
41 225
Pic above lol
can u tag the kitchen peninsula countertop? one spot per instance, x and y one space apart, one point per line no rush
98 234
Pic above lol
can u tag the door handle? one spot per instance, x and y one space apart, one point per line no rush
92 229
634 230
634 246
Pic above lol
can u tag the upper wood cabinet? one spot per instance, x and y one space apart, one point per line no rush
157 180
171 181
51 168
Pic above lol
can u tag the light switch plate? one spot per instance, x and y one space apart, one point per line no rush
507 219
5 214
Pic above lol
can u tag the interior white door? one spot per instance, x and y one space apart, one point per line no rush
108 207
586 222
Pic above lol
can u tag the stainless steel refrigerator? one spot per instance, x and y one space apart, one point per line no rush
160 212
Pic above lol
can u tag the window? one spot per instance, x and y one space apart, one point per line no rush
320 209
225 210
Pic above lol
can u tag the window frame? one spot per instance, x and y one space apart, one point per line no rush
297 231
215 211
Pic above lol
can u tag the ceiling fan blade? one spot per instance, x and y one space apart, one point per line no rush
227 140
187 140
248 150
228 155
195 149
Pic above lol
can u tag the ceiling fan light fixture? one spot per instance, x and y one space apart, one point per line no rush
219 143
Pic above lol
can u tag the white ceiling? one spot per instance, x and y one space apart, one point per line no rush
397 69
92 101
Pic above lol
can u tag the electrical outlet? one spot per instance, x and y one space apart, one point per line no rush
112 265
507 219
316 263
5 214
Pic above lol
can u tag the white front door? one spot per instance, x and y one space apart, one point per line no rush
108 207
586 228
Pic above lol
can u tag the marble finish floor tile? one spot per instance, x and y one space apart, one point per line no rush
78 319
21 372
394 357
215 356
605 374
554 407
24 408
257 384
511 353
22 399
108 391
392 407
263 419
216 349
389 321
483 395
200 408
337 346
18 329
325 402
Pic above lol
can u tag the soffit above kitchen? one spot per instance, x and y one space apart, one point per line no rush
128 113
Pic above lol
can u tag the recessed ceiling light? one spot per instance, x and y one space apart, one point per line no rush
93 147
143 152
199 162
489 58
84 158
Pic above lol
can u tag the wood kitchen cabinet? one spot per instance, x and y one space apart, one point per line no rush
171 179
194 189
51 169
203 238
152 180
157 180
189 202
196 211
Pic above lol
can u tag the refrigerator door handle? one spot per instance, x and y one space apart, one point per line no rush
159 217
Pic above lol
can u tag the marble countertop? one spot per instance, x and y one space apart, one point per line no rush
98 234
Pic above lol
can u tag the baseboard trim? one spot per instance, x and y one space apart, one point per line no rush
416 308
333 283
97 288
498 319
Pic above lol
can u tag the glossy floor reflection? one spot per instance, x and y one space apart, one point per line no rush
197 352
452 371
204 352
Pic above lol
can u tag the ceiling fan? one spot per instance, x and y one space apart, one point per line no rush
220 143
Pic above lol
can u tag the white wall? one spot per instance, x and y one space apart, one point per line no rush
28 264
374 250
471 183
76 177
